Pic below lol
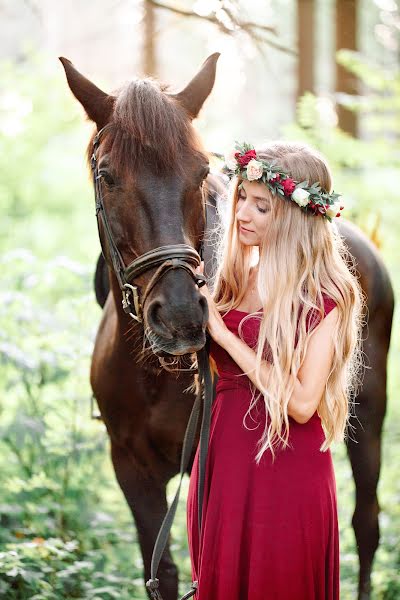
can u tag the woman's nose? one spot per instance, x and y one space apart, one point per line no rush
242 213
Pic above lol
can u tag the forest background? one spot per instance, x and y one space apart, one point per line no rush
319 70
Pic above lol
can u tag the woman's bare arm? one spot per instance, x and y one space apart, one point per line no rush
310 381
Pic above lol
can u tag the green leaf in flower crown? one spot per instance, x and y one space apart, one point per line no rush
303 184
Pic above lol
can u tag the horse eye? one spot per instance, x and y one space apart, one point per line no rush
206 171
106 176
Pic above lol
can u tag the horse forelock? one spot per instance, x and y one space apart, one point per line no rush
150 127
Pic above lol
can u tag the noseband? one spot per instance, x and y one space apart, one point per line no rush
163 258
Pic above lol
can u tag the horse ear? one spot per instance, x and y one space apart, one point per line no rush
196 92
97 104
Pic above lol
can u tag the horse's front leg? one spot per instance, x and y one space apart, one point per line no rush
365 458
147 500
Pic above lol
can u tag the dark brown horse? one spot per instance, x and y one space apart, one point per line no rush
152 169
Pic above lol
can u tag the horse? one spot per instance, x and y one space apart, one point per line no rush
152 169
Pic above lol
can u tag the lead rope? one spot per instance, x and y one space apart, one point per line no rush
204 381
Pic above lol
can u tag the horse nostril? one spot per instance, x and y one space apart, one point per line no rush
155 322
204 307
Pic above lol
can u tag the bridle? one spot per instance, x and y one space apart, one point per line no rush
164 258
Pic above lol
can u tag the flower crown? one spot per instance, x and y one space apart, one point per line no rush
243 162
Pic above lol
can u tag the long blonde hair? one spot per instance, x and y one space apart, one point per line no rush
300 257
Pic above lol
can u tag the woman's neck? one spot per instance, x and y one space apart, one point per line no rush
251 301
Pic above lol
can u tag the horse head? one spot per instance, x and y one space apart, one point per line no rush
149 169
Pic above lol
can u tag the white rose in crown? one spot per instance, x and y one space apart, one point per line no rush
230 160
254 170
335 209
301 196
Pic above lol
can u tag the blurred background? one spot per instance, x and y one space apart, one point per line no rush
325 71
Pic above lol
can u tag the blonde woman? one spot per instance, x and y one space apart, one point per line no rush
285 322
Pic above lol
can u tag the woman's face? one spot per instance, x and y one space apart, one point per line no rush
253 209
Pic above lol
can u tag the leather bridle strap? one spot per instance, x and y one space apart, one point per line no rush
204 380
114 253
155 257
173 256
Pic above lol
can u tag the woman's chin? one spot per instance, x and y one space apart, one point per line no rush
248 239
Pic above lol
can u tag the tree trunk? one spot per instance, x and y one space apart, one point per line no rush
149 48
306 44
346 37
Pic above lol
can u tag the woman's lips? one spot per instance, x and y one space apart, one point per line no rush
245 230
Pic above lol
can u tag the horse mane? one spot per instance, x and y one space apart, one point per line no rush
150 127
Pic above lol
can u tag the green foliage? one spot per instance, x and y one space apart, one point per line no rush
43 178
41 343
364 169
52 569
378 106
58 530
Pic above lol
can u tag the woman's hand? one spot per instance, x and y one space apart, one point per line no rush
215 325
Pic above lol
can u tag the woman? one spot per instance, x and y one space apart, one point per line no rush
285 322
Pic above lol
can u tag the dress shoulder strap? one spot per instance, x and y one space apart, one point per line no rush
329 304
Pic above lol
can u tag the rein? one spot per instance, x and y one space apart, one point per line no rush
164 259
205 382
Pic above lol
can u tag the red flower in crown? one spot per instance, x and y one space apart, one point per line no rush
276 179
244 159
288 186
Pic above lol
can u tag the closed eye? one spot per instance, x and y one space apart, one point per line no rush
262 206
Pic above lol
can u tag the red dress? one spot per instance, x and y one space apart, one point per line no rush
270 531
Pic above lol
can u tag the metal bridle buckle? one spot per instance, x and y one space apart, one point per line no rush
192 592
128 291
200 280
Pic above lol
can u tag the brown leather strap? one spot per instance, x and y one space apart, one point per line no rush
205 384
